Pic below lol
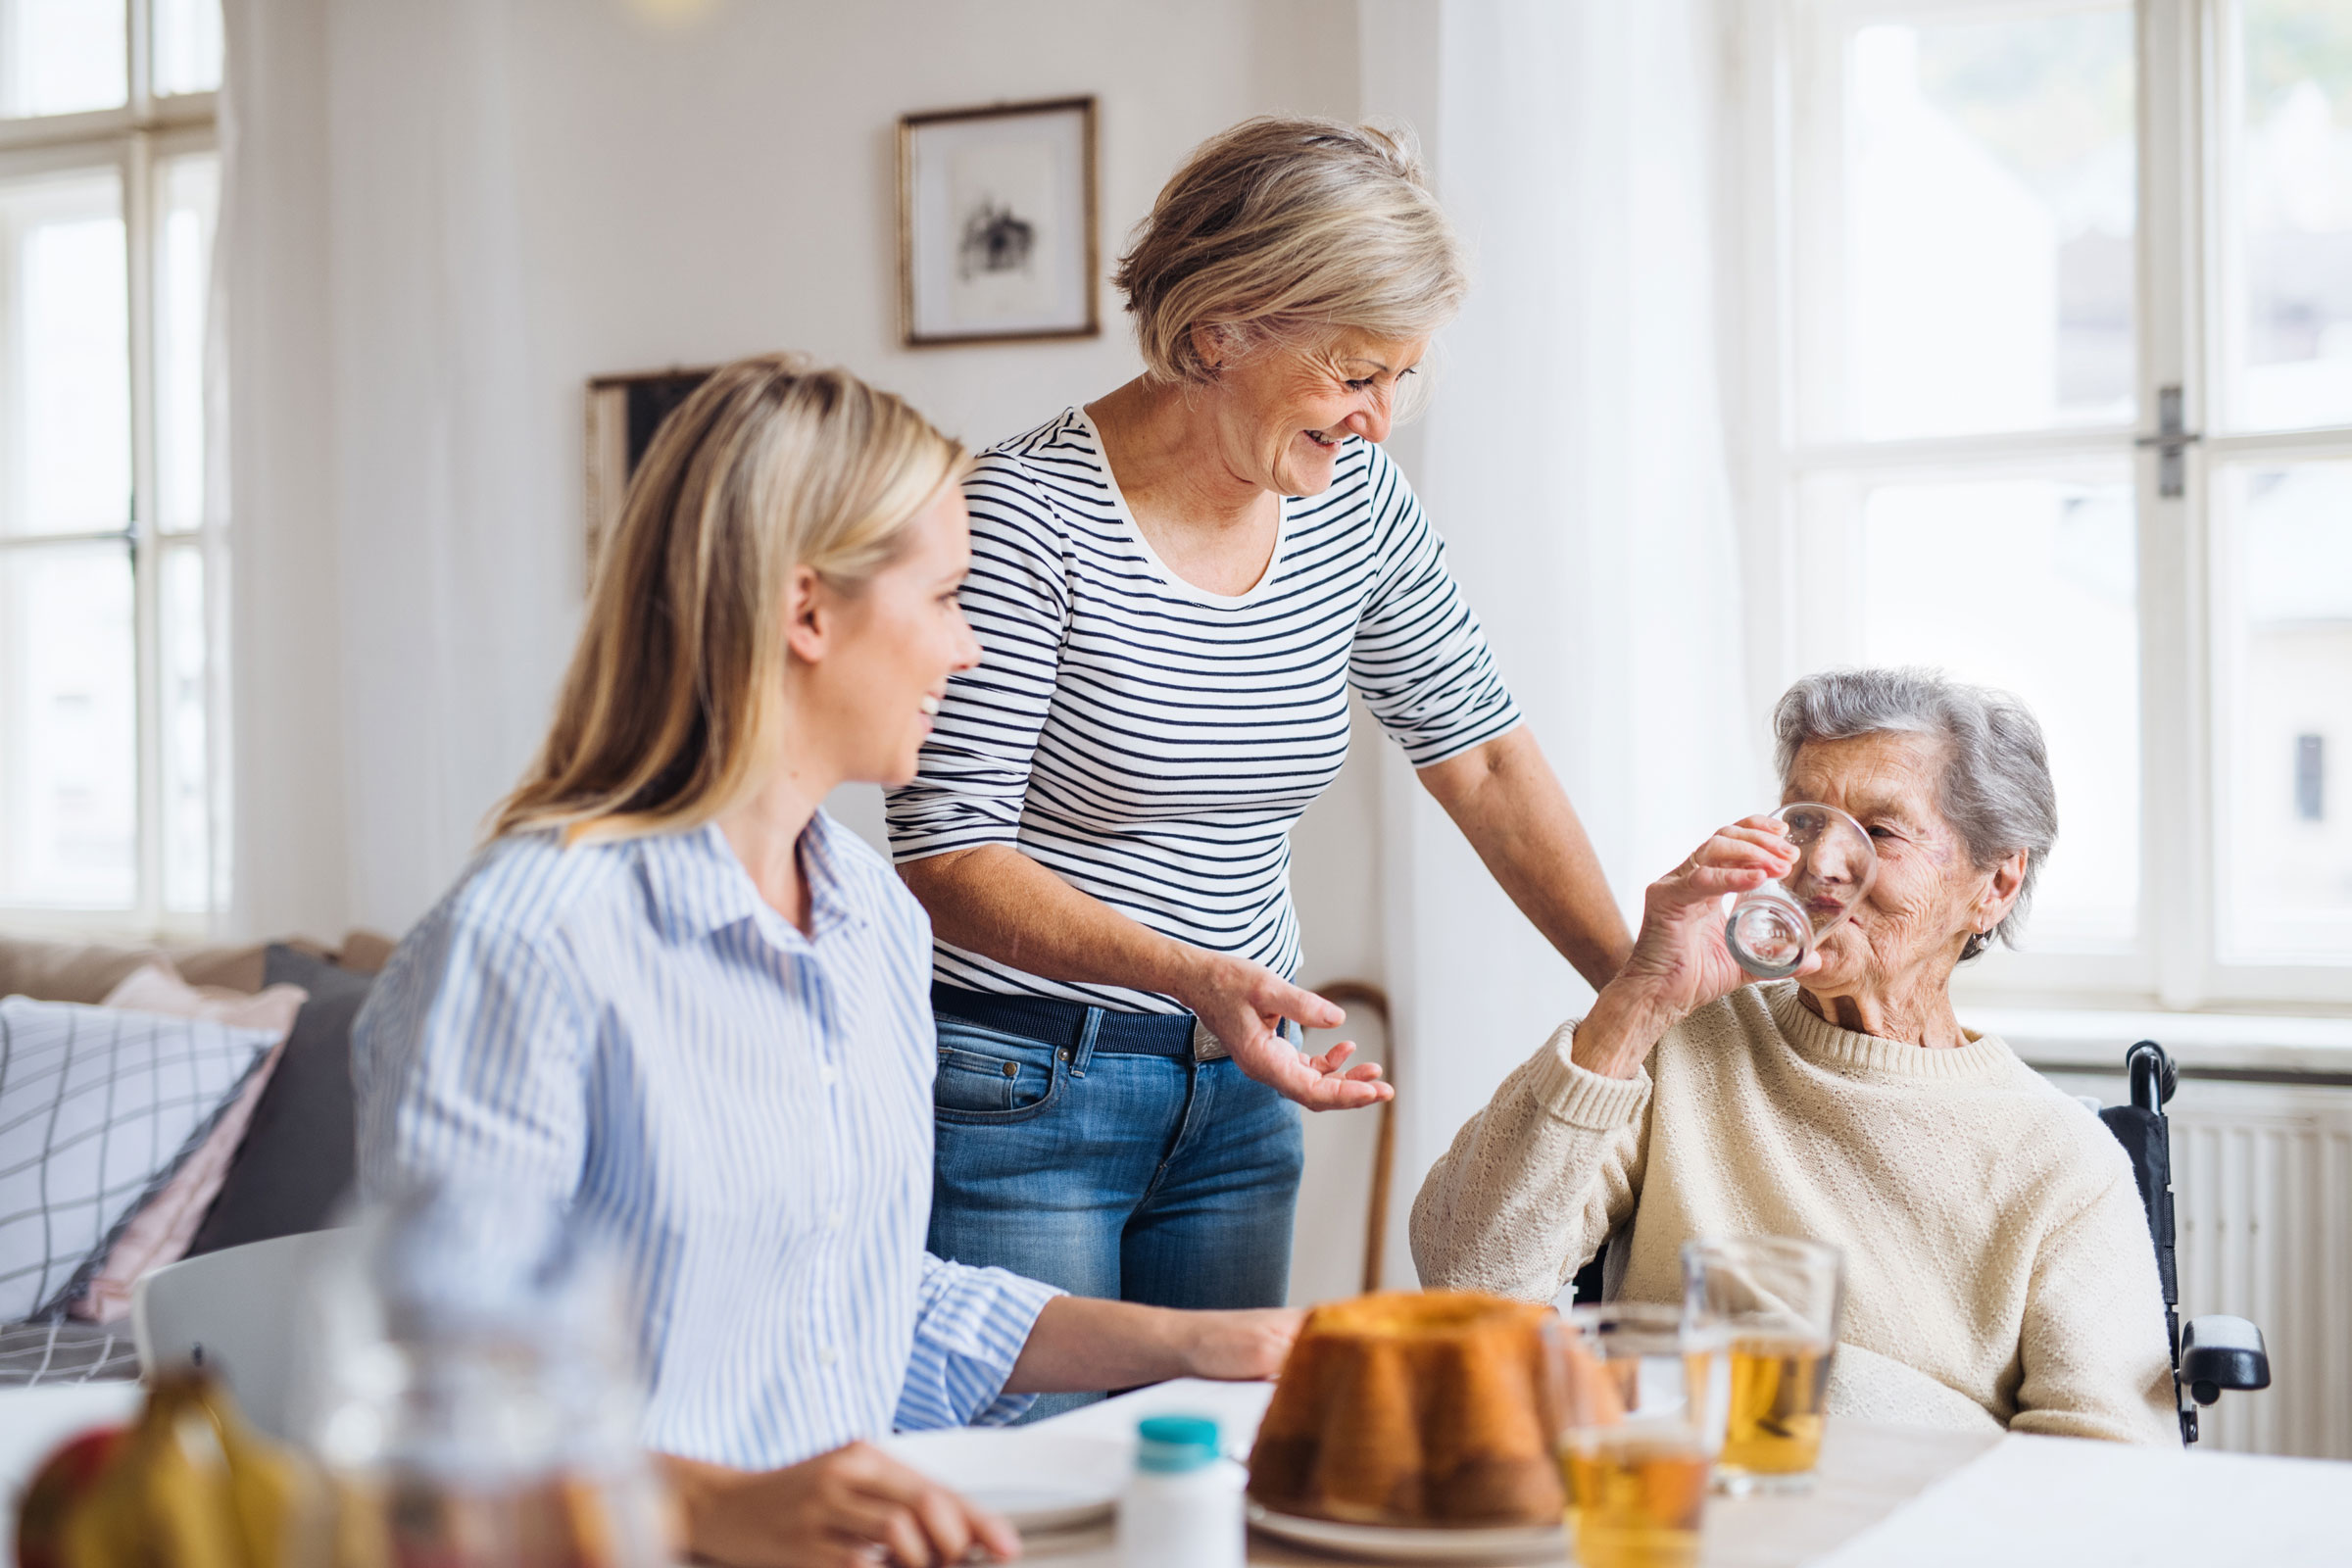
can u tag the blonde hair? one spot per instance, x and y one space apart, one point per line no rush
1284 229
676 688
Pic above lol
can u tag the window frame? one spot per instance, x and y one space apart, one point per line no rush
137 140
2186 113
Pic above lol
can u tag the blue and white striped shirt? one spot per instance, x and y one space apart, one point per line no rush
630 1029
1152 743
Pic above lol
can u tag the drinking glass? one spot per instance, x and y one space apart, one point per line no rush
1774 927
1645 1396
1776 1300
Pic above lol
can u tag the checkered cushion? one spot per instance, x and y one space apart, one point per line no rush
98 1107
65 1350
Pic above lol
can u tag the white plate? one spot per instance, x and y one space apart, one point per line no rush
1395 1544
1040 1481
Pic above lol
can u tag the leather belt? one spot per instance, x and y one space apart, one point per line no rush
1063 1024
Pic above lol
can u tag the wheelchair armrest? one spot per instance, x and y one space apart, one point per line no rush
2220 1352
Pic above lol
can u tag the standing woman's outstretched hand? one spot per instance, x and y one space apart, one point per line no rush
1245 1004
1679 963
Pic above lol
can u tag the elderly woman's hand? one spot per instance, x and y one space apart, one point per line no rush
1679 963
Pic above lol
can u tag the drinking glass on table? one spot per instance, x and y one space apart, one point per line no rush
1776 1300
1644 1405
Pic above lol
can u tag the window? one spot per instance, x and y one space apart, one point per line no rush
2057 376
112 801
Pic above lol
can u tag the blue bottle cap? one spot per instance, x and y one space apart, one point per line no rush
1175 1443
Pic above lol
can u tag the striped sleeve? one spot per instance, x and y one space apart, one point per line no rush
974 773
1420 659
468 1060
969 1327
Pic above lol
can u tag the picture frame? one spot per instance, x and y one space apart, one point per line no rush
997 223
623 413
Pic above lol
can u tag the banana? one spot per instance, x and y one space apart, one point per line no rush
191 1485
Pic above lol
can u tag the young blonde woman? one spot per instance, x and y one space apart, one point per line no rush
1178 585
672 994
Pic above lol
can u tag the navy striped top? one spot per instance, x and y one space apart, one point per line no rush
1152 743
744 1112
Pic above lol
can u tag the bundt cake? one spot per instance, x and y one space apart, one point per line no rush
1431 1409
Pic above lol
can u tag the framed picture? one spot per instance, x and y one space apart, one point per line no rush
997 223
623 413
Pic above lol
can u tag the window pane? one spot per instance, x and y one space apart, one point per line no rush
188 45
2290 303
65 452
2284 711
188 852
2028 585
1989 212
187 198
61 57
69 818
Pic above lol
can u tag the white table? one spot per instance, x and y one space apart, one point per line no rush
1886 1496
1910 1496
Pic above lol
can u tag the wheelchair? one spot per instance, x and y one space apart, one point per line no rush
2213 1353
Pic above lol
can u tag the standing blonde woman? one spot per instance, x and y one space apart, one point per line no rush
1177 586
675 997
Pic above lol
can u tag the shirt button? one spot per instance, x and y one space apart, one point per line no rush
828 1356
828 1075
832 1219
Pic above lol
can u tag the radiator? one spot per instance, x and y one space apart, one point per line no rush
2262 1183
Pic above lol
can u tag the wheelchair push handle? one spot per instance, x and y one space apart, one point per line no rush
2153 1075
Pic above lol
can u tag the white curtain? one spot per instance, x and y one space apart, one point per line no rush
445 542
1574 456
399 626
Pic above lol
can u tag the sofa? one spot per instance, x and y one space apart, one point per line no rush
290 1164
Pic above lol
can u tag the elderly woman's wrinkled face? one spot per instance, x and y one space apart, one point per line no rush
1282 414
1929 895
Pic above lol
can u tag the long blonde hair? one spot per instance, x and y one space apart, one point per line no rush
675 692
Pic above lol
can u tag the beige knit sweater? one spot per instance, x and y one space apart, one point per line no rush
1998 1268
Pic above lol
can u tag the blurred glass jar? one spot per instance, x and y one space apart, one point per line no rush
470 1383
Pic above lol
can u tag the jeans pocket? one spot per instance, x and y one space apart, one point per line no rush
987 1075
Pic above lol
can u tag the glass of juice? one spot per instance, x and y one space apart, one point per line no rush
1645 1401
1776 1298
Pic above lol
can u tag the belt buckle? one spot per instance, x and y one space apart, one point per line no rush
1206 1047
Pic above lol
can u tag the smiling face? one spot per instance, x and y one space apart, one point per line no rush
1928 896
872 663
1281 416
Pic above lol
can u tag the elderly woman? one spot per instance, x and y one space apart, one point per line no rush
1998 1269
1177 586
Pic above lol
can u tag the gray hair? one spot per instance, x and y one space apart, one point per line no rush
1996 788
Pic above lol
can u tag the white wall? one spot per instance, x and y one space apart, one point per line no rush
457 211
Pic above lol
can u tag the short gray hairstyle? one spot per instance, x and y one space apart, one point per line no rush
1286 230
1996 788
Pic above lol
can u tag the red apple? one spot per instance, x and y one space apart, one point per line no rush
63 1477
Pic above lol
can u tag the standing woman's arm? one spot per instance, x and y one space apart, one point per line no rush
1422 664
1509 805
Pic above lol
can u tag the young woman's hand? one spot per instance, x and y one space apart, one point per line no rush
837 1510
1241 1346
1244 1004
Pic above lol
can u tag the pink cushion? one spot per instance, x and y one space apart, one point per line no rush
161 1231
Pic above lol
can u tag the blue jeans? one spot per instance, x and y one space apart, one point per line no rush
1139 1178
